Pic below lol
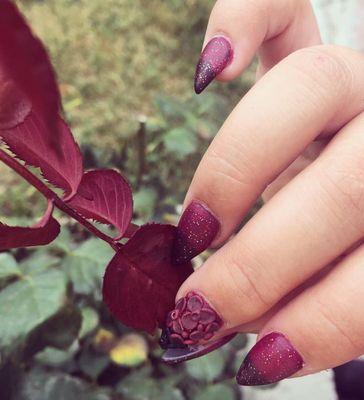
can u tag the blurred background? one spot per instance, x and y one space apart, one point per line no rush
125 69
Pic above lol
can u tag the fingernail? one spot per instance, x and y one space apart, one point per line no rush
214 58
176 356
193 320
197 229
272 359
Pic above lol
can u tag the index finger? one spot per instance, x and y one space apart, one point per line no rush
284 112
238 28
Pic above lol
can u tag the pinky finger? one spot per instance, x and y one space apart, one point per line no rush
321 328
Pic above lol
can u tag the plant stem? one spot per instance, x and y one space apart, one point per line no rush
142 138
50 195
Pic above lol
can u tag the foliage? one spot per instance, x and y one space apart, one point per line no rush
141 281
39 83
120 62
57 340
142 275
72 345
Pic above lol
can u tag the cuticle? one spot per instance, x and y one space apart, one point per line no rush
224 35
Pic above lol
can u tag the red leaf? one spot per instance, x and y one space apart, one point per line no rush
105 196
140 283
14 106
44 232
27 141
24 60
132 228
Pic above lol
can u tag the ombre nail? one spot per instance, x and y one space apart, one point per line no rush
213 60
193 320
197 229
272 359
176 356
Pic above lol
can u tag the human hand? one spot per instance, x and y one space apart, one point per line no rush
294 273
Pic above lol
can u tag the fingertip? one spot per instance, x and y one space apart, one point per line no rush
196 230
271 359
215 57
192 321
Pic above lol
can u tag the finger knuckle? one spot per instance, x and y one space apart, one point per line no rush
235 170
344 186
326 65
249 291
340 330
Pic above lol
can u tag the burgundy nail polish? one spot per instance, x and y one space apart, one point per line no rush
193 320
176 356
214 59
197 229
272 359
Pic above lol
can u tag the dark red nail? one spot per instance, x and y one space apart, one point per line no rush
272 359
197 229
214 59
193 320
176 356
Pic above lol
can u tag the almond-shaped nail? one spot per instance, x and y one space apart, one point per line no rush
272 359
214 58
176 356
192 321
197 229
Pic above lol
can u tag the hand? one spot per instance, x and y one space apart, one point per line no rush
295 272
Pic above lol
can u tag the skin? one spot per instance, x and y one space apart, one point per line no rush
297 138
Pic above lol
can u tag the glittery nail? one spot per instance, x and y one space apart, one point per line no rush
213 60
197 229
193 320
272 359
176 356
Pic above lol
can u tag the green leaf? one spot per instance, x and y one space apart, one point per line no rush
170 108
40 385
8 268
90 321
207 368
169 391
145 202
85 266
172 380
181 142
59 331
146 389
236 363
138 385
26 304
63 242
37 262
171 394
239 342
217 392
92 364
206 104
54 357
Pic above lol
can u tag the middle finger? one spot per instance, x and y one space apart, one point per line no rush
305 226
